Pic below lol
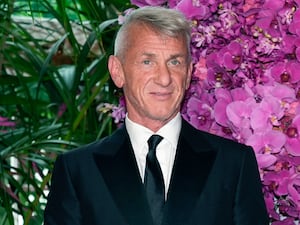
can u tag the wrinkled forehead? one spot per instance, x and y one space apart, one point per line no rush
143 34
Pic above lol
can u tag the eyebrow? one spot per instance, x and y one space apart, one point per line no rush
179 55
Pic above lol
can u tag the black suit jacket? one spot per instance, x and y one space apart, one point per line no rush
214 181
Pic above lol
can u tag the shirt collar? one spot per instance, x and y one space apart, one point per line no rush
139 134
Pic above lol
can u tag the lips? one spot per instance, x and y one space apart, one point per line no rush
160 95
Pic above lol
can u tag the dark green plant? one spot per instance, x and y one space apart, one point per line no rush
49 91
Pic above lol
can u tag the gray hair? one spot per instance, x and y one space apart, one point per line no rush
165 21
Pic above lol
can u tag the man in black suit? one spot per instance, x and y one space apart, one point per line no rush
203 179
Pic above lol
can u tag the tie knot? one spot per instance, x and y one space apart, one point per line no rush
153 141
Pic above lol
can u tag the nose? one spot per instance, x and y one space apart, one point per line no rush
163 76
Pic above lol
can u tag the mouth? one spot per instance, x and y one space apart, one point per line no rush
161 95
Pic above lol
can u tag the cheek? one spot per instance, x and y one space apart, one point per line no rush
133 88
182 83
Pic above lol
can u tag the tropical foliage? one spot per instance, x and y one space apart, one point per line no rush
51 83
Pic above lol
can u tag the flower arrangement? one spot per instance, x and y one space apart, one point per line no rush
246 86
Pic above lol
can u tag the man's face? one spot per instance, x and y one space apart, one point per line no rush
154 75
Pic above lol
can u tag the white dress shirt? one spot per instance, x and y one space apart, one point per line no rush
165 150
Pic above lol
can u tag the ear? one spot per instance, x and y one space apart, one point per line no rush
116 71
189 75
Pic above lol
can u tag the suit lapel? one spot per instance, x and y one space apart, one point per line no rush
192 166
118 167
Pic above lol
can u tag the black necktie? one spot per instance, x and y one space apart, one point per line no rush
154 182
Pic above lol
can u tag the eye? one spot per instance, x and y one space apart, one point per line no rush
174 62
146 62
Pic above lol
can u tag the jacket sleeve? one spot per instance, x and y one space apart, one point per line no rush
249 205
62 205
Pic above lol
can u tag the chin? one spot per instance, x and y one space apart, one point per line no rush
163 117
